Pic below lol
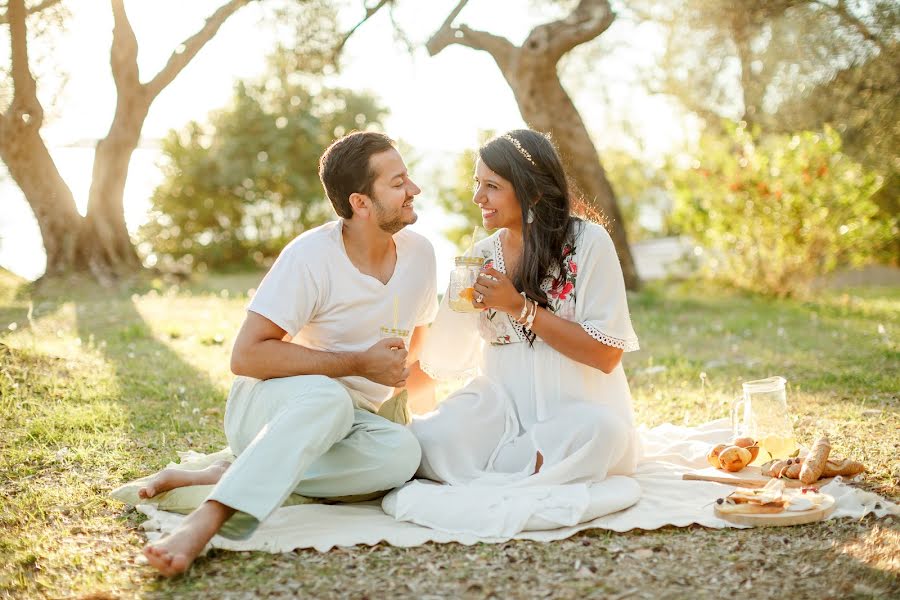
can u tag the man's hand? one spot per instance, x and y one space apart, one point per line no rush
385 363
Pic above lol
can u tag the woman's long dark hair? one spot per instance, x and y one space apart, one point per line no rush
542 187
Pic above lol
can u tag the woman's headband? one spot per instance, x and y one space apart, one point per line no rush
519 147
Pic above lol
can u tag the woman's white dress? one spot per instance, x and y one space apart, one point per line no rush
481 443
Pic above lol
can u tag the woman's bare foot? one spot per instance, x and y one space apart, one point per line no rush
169 479
173 554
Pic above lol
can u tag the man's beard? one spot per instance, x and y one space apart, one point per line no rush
391 222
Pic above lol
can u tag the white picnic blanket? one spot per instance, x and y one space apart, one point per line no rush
668 452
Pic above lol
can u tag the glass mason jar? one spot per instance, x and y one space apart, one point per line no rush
462 282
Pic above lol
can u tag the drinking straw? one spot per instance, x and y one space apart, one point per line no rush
396 310
471 250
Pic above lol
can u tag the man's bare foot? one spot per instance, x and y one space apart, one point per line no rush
173 554
169 479
539 462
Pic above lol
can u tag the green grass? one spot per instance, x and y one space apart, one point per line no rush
100 386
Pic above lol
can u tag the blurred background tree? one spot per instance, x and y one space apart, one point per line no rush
237 190
745 59
821 71
97 242
532 71
776 211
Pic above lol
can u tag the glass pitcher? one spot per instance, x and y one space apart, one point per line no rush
763 415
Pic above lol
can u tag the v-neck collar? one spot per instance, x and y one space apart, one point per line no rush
385 284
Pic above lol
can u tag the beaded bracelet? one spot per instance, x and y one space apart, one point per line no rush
524 309
529 321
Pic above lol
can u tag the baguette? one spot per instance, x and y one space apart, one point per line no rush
814 464
843 467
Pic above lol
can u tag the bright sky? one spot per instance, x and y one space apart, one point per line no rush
438 102
438 105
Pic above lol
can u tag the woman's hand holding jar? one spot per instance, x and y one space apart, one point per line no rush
495 290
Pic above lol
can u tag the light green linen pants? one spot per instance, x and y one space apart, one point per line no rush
302 434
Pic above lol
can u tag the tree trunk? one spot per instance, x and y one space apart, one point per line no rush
105 223
32 168
546 106
530 70
72 243
99 242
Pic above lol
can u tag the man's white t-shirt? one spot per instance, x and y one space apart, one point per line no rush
324 302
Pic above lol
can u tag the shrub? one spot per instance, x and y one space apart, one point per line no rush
238 189
776 211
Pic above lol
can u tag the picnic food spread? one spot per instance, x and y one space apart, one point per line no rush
771 499
734 456
817 464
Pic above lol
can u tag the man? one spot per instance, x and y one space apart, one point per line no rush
310 362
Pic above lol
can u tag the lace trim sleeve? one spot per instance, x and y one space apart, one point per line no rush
629 345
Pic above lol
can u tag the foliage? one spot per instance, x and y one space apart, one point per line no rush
237 190
741 59
776 211
861 100
456 196
456 199
640 187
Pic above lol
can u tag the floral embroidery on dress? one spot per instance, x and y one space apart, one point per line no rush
560 288
498 328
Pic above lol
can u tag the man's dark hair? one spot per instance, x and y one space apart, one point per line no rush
344 167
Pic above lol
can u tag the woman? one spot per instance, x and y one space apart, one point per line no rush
549 405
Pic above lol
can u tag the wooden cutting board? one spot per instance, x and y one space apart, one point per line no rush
783 518
746 477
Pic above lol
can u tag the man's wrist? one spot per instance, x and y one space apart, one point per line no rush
355 363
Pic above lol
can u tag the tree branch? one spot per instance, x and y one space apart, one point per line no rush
370 11
4 18
124 52
500 48
191 46
399 32
444 36
25 106
586 21
843 13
